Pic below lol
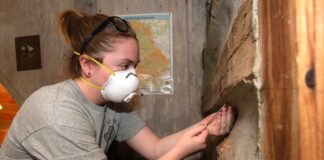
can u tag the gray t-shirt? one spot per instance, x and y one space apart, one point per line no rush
58 122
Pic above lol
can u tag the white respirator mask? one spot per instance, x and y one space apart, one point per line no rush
121 87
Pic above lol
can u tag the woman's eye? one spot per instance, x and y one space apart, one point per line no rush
125 66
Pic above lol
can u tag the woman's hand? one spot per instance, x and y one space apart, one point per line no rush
221 122
193 140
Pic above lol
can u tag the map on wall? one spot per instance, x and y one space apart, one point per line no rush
154 33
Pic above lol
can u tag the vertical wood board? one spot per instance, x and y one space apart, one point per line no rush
306 96
197 28
278 47
319 74
292 42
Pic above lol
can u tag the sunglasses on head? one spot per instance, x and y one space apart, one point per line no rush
120 24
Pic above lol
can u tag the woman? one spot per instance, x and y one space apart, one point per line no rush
72 119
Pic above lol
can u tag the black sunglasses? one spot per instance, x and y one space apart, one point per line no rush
120 24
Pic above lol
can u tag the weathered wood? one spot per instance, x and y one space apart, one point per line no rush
231 80
292 36
197 26
236 59
222 14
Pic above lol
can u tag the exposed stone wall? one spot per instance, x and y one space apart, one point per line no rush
230 77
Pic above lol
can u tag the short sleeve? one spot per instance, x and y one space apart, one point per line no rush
130 124
59 142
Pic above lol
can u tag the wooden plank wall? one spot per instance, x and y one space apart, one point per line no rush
35 17
292 44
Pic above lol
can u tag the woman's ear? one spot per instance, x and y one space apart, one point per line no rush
86 66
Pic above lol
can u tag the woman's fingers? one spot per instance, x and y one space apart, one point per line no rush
202 138
230 118
215 125
223 120
199 135
207 120
197 130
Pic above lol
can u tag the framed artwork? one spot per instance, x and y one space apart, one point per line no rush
28 55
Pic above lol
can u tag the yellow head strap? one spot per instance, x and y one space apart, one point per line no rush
89 83
97 62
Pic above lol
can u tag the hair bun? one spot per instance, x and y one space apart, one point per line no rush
67 23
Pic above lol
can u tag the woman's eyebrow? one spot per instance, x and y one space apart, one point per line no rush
130 61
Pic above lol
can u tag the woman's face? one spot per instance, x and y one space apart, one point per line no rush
124 56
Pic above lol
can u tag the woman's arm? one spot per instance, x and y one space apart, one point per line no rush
191 141
149 145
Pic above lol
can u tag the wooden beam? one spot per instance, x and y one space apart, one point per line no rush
305 62
292 38
278 48
319 75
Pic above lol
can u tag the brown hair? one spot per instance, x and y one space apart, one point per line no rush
75 26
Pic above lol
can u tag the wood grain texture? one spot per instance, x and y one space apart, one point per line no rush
197 26
292 40
235 61
231 81
305 26
197 30
319 75
279 52
220 20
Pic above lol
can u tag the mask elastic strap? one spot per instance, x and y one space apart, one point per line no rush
100 64
91 84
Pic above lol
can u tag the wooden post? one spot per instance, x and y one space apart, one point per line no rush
278 48
319 75
292 38
305 30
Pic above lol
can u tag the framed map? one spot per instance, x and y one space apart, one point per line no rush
154 33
